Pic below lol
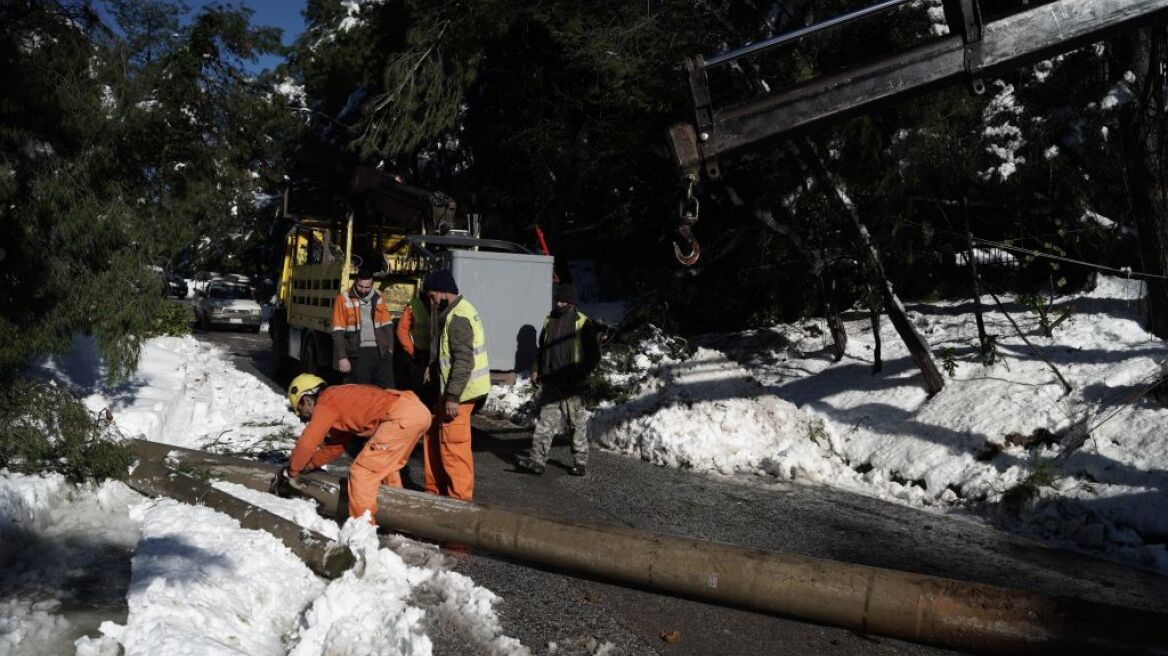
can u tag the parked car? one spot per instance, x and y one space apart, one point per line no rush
201 279
174 286
225 303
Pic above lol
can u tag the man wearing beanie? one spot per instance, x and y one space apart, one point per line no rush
568 352
458 364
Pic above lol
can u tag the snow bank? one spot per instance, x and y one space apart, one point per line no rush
203 585
200 583
774 402
185 393
372 609
954 451
707 413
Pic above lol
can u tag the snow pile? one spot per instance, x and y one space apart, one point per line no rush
203 585
369 610
200 583
707 413
514 402
965 447
184 393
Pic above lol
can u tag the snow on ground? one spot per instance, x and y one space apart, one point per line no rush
58 543
184 393
773 402
198 582
769 402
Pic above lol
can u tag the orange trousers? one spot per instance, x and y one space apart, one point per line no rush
449 461
387 451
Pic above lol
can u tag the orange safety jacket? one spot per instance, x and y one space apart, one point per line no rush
356 409
405 323
347 318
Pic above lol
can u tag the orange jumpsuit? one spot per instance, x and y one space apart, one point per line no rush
449 463
393 421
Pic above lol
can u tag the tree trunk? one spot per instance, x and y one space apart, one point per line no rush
975 281
835 322
874 319
922 355
1144 134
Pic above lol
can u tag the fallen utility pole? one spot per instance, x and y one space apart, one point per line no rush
927 609
323 556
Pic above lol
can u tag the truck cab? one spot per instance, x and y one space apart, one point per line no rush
401 233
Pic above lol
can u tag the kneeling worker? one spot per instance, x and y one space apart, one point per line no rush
393 421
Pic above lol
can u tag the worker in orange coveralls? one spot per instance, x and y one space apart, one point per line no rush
413 339
393 421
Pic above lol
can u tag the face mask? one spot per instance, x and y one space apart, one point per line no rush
443 304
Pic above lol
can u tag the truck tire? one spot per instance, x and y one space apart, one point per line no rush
309 362
283 365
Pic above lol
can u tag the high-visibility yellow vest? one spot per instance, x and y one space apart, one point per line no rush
480 376
577 337
420 330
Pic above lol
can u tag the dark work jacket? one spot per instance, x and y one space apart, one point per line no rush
556 343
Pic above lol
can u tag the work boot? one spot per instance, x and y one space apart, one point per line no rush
577 470
529 465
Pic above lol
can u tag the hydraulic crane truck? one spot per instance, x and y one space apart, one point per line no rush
973 49
400 233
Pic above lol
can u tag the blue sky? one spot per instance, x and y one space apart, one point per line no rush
284 14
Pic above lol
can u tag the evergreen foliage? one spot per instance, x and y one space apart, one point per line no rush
119 150
45 428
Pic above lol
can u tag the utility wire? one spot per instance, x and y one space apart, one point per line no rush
1125 271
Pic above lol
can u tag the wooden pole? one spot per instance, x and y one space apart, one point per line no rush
953 614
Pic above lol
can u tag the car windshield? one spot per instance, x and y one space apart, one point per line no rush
228 291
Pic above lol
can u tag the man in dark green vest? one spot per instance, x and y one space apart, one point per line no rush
568 351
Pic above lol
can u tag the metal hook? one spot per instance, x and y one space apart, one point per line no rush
685 235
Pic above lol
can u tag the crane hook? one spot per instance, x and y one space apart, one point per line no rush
685 237
687 215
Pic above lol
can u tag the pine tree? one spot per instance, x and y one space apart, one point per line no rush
116 152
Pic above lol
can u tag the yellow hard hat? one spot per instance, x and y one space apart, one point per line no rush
301 385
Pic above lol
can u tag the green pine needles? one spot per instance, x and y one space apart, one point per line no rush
44 428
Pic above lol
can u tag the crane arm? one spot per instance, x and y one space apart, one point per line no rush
1011 41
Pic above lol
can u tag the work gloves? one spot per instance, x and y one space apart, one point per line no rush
283 484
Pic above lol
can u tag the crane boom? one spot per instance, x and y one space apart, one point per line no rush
1014 40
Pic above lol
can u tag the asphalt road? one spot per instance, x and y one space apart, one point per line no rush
580 615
